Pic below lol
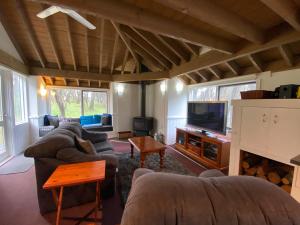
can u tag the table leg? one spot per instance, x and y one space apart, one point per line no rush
143 157
59 203
161 155
54 194
131 149
97 206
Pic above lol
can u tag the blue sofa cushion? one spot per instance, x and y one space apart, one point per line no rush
97 118
84 120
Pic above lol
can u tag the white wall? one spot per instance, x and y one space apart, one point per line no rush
125 106
37 106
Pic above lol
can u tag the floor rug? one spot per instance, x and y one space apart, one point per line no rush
127 166
18 164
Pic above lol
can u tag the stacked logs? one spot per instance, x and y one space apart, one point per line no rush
275 172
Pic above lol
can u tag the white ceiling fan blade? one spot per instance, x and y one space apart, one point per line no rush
48 12
79 18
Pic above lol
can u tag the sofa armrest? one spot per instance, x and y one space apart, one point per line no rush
140 172
72 155
93 136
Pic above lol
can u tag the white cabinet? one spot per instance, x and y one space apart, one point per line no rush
271 130
254 126
284 133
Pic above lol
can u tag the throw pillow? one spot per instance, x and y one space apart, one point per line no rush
53 121
106 120
85 146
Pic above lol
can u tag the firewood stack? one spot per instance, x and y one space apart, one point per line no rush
275 172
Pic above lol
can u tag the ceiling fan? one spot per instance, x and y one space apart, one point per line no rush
55 9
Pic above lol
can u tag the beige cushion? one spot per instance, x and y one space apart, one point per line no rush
85 146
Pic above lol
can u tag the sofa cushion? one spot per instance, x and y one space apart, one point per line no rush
103 146
86 120
97 118
85 146
73 127
95 125
48 146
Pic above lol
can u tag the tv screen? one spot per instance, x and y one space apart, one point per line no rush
208 115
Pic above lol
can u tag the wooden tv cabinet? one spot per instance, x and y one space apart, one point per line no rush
211 151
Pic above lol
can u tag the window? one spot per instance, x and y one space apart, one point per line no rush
94 102
203 93
72 103
20 103
65 102
231 92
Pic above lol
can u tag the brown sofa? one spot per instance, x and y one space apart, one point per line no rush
57 148
211 199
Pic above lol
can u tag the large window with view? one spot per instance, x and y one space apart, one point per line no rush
72 103
20 98
221 93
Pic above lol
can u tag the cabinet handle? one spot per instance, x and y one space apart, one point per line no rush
275 119
264 118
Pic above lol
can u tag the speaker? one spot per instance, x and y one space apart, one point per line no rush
288 91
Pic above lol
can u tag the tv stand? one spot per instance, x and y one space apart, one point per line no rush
210 150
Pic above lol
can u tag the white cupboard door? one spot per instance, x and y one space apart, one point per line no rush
283 140
254 129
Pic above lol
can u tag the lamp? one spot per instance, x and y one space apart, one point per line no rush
163 87
179 86
43 90
120 89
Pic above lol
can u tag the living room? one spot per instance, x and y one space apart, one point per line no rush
149 112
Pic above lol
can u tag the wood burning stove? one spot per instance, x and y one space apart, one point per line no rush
142 125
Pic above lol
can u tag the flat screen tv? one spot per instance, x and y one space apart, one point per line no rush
208 115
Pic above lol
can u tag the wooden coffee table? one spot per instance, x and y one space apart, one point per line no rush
76 174
147 145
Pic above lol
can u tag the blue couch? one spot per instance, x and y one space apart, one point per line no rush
97 122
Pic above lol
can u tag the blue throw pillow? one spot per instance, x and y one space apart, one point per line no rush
97 118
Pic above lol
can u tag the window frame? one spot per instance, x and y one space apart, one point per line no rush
24 102
107 91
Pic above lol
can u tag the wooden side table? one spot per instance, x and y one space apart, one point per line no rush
76 174
147 145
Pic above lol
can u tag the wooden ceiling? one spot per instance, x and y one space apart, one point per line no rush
196 40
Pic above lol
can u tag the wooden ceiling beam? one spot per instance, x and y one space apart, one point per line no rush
127 43
216 72
30 32
52 41
192 49
170 47
213 14
146 47
11 36
161 75
158 46
193 78
233 66
286 54
147 57
102 24
70 40
129 14
86 40
114 52
124 61
69 74
12 63
202 75
287 9
257 62
214 58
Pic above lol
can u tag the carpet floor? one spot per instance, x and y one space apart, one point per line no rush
19 203
18 164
